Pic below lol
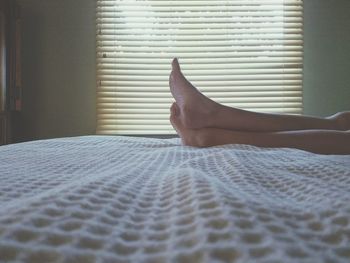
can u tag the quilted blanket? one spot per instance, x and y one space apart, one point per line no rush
122 199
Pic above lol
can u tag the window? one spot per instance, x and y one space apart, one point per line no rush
242 53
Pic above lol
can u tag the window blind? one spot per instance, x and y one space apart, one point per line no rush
241 53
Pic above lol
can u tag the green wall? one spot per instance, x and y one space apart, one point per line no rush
58 65
326 56
58 57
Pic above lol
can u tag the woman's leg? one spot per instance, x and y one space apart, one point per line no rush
198 111
316 141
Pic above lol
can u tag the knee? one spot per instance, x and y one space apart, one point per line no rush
343 120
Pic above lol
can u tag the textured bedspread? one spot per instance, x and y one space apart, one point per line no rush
121 199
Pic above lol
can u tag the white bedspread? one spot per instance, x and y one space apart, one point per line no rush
122 199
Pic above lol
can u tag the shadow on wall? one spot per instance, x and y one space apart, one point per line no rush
326 56
58 69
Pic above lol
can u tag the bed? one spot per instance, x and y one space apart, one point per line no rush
127 199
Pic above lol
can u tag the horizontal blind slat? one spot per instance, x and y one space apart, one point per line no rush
166 106
104 65
200 61
165 112
216 55
229 90
162 84
222 72
110 3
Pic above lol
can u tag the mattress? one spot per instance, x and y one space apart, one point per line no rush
123 199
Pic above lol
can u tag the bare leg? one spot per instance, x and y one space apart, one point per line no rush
316 141
198 111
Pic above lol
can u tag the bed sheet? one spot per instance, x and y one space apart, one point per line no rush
124 199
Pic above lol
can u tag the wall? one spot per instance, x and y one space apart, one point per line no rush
58 65
327 56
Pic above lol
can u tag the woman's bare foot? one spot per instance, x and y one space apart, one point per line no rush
196 110
186 135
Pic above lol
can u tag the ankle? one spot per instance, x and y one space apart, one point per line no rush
203 138
341 120
189 137
195 138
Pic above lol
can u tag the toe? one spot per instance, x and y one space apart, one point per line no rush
174 109
175 120
175 65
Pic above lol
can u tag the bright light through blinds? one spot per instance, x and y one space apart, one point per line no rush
242 53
